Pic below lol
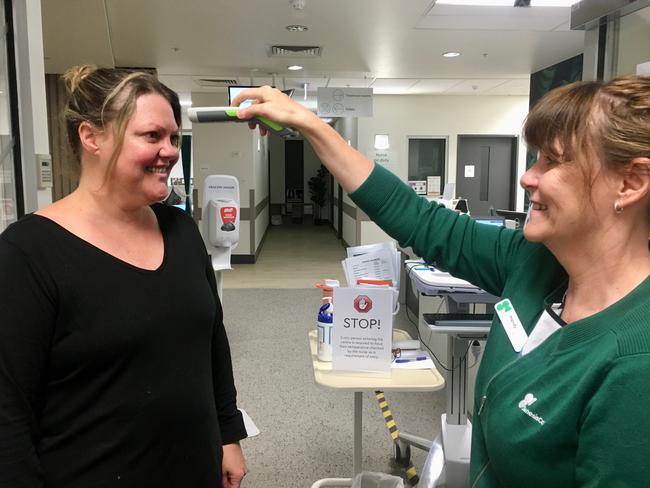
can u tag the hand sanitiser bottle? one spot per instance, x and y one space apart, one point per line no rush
324 326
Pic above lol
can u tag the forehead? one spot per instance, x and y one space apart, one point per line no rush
153 108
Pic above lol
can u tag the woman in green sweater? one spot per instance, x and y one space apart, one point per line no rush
566 404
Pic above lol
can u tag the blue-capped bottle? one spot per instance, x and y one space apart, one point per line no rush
324 326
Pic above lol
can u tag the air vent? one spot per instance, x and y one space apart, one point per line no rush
215 82
295 51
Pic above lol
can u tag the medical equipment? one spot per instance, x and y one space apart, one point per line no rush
449 454
229 114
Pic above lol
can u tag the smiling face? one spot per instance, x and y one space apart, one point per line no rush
565 210
148 152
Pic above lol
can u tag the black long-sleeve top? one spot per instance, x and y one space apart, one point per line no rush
111 375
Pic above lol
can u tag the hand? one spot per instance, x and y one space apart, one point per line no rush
233 466
274 105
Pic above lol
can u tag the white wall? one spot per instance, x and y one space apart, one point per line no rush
31 98
261 186
348 128
402 117
633 42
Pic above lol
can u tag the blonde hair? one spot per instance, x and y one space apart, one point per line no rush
611 121
103 96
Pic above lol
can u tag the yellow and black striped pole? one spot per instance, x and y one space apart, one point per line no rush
411 473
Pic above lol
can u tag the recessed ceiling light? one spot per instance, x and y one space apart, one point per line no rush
296 28
294 67
451 54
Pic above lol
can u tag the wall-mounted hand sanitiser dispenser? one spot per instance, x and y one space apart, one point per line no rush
223 222
220 218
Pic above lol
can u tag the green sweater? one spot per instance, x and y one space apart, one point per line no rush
587 387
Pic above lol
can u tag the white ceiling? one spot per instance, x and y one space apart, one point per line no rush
393 46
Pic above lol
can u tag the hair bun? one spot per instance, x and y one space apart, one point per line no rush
75 75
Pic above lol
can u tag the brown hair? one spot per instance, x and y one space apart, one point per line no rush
102 96
610 121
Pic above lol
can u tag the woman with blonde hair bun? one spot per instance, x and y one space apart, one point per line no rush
568 405
115 368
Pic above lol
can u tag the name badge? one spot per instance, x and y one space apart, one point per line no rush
511 324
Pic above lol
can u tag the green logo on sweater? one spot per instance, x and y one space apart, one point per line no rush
526 402
504 306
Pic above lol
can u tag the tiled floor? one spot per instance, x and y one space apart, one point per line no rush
292 256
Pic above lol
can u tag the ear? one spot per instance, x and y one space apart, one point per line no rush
90 138
635 185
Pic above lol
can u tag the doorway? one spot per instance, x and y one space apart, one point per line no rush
294 178
486 169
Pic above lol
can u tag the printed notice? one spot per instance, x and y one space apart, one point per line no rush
362 330
344 102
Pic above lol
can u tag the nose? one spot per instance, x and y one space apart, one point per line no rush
169 151
529 179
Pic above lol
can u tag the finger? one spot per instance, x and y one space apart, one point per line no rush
255 94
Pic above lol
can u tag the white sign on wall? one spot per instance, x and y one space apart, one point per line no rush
344 102
385 157
363 329
469 171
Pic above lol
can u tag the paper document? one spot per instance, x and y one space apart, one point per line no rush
378 265
368 248
380 261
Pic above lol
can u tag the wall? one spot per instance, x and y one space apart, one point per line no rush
232 149
349 130
633 42
30 69
402 117
260 207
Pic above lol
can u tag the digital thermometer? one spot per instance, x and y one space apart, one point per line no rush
229 114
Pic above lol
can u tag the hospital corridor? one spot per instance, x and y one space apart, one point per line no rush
306 429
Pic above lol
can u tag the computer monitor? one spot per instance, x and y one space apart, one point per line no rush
233 91
491 220
518 217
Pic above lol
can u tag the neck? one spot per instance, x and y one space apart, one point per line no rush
103 207
601 274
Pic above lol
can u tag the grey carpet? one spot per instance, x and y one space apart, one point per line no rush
306 430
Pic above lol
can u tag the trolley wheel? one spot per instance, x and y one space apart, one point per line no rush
402 453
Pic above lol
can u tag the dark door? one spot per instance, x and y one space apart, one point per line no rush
294 169
486 172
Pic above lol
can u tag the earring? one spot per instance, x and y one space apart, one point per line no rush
617 207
